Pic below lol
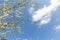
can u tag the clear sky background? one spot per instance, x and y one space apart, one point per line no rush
46 15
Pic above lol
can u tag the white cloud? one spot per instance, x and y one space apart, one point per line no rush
31 10
57 28
25 39
45 19
44 11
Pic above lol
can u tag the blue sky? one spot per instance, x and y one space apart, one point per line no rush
45 23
